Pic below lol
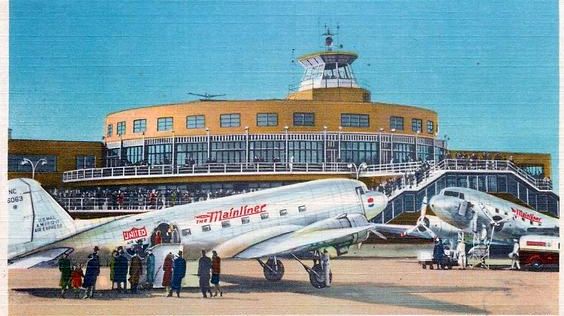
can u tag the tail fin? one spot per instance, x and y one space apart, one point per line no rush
35 218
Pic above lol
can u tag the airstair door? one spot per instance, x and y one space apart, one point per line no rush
161 251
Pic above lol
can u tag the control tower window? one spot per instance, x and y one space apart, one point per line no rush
304 119
139 126
396 122
267 119
120 128
164 124
230 120
430 127
195 121
355 120
110 130
416 125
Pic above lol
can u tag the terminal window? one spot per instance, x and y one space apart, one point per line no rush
120 128
110 130
139 126
164 124
15 163
416 125
85 162
267 119
396 122
230 120
355 120
304 119
430 127
195 121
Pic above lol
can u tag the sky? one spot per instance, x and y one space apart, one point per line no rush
489 68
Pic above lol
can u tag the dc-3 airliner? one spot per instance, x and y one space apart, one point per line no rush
294 221
489 217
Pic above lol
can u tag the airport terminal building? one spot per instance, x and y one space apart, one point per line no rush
327 127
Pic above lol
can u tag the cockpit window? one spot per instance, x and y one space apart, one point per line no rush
451 193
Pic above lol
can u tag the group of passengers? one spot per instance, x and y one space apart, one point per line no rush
141 261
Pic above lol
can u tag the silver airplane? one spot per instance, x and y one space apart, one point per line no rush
488 217
294 221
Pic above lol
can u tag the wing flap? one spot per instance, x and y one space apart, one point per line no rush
38 258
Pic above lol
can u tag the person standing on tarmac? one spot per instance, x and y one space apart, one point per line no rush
204 266
167 275
92 272
120 270
216 270
461 252
150 262
326 266
178 273
65 268
514 255
113 267
135 271
438 252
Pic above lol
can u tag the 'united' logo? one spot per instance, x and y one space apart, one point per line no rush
134 233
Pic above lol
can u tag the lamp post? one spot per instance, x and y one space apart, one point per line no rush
324 144
359 169
208 141
380 145
246 144
339 144
286 142
34 166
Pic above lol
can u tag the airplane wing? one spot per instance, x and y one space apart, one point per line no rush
299 241
38 258
403 230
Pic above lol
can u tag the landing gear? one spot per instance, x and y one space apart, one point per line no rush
273 269
317 276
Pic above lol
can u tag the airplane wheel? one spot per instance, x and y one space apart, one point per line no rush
317 279
276 271
536 265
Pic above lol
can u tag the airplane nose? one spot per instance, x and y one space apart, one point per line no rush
443 206
376 202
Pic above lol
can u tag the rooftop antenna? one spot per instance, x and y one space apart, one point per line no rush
206 96
328 38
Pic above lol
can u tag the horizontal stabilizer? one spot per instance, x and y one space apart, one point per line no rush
37 259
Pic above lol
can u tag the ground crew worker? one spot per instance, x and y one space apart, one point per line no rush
65 268
204 266
216 270
326 267
438 253
514 255
461 252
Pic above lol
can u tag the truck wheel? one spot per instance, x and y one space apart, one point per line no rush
536 265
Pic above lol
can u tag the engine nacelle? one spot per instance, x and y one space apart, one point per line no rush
340 222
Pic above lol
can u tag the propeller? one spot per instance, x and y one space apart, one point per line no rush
423 222
375 232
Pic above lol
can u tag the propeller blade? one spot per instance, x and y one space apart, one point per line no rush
423 210
377 233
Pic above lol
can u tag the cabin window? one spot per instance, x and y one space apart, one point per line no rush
283 212
264 216
497 211
461 196
451 193
206 228
301 208
186 232
523 219
245 220
225 224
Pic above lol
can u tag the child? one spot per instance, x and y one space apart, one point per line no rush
76 278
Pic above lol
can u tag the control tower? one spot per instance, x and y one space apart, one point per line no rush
329 76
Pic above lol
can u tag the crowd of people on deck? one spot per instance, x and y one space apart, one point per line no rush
137 262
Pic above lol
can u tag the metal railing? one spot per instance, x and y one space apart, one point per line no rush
212 169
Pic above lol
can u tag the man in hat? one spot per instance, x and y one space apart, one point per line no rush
65 268
438 253
204 267
461 252
178 273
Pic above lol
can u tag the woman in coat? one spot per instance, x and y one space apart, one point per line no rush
150 268
167 268
135 271
179 271
65 268
113 267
